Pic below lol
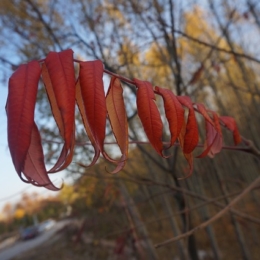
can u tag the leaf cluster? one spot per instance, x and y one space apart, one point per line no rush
87 91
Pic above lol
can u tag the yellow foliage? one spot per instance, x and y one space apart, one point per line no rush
89 191
128 54
157 68
197 27
21 16
112 11
19 213
68 194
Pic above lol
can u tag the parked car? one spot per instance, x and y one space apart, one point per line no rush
47 224
29 232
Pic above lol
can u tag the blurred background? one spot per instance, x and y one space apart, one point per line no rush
206 49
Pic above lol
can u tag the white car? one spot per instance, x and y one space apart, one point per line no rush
46 225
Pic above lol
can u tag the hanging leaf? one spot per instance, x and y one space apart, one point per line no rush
118 119
191 137
230 123
214 139
23 85
93 96
211 133
213 143
59 80
149 114
82 111
203 111
218 140
34 168
174 112
23 137
197 75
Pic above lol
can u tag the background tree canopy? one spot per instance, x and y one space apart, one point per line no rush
208 50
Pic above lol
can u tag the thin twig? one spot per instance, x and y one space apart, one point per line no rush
149 182
215 217
250 149
242 55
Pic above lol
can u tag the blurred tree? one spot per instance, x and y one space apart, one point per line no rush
8 211
19 213
208 50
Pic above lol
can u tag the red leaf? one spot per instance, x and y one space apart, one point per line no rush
203 111
213 142
230 123
92 90
34 168
174 112
217 146
213 133
80 104
149 114
216 122
59 79
23 137
191 137
23 85
118 119
214 139
197 75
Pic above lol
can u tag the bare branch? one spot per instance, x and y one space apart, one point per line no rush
215 217
214 47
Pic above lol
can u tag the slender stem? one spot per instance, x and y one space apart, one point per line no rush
215 217
232 52
120 77
225 147
113 74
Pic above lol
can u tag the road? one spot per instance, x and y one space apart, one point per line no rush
22 246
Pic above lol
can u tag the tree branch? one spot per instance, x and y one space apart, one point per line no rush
215 217
242 55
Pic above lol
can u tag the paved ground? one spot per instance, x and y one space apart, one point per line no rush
22 246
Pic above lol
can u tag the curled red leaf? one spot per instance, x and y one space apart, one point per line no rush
94 101
203 111
213 142
197 75
23 86
230 123
118 119
34 168
174 112
218 140
80 103
149 114
59 79
191 137
23 136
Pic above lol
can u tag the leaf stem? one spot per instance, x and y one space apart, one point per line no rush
120 77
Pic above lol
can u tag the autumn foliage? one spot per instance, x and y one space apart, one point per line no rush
64 91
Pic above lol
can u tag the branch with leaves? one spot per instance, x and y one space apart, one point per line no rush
87 91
